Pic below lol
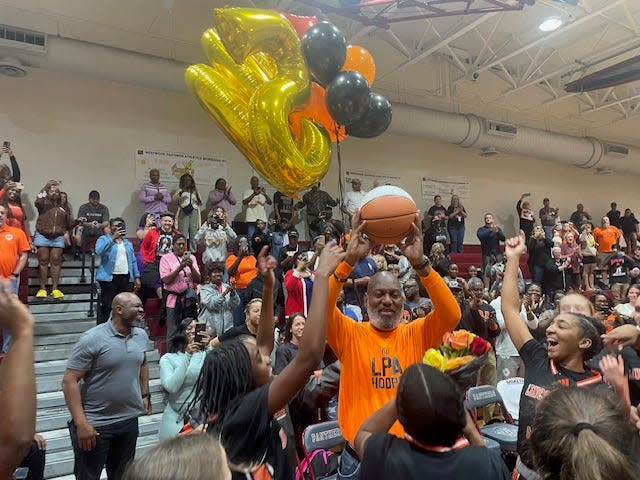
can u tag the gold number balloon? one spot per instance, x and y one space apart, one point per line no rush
256 78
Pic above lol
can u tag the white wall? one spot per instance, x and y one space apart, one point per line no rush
85 132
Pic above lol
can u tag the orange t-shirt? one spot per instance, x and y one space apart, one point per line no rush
246 272
606 238
13 242
372 361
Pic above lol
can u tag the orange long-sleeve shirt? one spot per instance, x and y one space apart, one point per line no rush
372 361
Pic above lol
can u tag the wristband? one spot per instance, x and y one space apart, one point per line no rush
423 265
341 280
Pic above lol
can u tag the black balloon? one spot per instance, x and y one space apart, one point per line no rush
325 50
375 120
348 97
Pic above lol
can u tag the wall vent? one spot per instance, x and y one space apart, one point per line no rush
616 150
22 39
501 129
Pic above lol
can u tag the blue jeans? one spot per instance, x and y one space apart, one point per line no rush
251 229
456 235
238 312
537 274
6 338
115 447
349 468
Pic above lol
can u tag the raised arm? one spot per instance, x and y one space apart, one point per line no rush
379 421
518 330
285 386
266 265
446 311
17 383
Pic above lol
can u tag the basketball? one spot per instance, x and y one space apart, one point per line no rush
389 212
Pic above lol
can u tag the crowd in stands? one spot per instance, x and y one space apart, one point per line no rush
266 334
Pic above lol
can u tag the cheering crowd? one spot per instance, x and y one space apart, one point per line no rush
265 334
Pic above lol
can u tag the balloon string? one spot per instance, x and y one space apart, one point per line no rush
340 184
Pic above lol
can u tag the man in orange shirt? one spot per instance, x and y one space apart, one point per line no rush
373 355
606 237
14 252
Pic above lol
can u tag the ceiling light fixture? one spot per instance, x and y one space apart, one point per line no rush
550 24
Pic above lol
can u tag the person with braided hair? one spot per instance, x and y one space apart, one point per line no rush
237 393
583 435
430 407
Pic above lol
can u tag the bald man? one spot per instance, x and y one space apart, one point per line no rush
374 354
110 359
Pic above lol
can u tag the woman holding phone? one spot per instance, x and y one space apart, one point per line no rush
53 222
179 372
188 214
115 277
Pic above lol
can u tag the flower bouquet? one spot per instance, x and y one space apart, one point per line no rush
461 355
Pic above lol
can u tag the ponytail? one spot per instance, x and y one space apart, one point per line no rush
583 434
594 458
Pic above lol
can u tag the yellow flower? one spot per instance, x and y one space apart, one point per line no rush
435 359
454 363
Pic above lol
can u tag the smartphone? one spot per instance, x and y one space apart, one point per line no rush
200 327
6 144
22 472
19 185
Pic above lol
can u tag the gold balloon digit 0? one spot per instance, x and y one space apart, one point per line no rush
256 78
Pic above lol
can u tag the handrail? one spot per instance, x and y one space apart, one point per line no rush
92 287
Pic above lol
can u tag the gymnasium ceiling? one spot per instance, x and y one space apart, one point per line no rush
498 65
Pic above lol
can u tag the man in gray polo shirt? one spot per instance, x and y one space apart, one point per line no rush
106 387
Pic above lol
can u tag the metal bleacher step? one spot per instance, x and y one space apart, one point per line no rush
56 418
54 316
63 280
80 304
62 351
53 352
57 366
61 463
56 399
70 325
45 339
52 383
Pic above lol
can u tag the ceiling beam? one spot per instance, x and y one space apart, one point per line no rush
445 41
560 31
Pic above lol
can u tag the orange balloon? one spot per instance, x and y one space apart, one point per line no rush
316 110
360 60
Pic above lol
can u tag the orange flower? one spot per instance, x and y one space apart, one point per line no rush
460 339
446 338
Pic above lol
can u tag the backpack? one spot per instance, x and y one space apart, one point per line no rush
318 464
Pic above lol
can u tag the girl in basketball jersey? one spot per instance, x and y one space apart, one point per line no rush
572 339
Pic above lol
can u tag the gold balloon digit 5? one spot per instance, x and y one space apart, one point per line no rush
256 78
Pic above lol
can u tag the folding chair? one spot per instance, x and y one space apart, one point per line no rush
325 436
505 433
510 390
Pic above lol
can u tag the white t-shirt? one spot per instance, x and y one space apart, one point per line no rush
121 265
255 208
504 345
352 200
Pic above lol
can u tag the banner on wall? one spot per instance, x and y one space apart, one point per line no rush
172 165
372 179
445 187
